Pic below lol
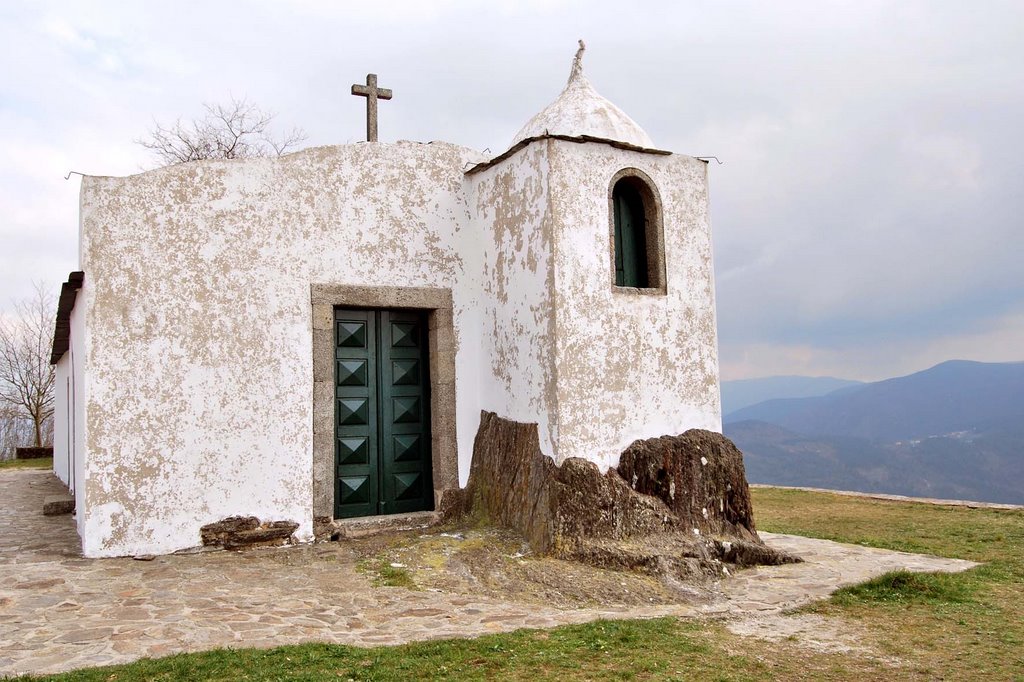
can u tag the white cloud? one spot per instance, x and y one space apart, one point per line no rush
997 340
66 35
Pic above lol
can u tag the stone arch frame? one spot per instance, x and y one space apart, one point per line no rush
324 298
657 283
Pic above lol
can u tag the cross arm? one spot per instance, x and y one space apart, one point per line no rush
364 91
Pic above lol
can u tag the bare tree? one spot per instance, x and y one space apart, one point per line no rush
235 131
14 431
26 376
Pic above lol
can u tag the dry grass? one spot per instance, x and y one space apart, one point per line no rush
964 626
40 463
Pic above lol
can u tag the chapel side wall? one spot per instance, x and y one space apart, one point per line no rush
68 431
200 402
76 356
62 405
631 365
517 370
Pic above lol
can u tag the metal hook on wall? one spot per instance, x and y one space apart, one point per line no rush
705 158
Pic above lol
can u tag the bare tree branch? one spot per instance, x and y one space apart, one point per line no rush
26 376
237 130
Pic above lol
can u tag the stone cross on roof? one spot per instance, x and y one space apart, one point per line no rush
372 93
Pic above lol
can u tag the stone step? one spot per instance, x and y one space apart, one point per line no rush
56 505
362 526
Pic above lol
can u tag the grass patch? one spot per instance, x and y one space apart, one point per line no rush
960 532
966 625
660 649
40 463
386 575
394 576
904 587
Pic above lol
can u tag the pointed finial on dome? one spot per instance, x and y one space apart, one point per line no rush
577 63
581 112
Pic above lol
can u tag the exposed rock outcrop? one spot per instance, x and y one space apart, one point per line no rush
699 475
240 532
677 505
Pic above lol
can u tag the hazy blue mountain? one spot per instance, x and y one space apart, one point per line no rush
981 467
955 430
954 396
745 392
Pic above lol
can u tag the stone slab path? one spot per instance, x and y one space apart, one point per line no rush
59 611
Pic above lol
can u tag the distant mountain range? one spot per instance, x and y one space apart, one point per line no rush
746 392
955 430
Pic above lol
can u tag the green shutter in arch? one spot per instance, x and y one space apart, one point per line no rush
631 269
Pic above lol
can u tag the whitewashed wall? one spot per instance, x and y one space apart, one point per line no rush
517 373
630 366
77 356
197 299
62 406
68 411
199 351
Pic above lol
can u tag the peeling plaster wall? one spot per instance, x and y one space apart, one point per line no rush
197 303
629 365
517 378
197 299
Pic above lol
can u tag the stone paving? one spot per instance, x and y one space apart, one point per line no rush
59 611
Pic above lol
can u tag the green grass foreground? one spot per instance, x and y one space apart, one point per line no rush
41 463
957 627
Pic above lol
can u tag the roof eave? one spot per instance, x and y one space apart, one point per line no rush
568 138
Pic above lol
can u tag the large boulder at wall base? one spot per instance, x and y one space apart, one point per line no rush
699 475
514 485
643 520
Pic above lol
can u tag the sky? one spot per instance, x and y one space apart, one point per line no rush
866 219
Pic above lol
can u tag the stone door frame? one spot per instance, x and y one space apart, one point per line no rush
324 298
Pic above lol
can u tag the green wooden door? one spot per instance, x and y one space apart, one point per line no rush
382 415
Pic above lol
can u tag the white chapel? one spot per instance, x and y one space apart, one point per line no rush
313 337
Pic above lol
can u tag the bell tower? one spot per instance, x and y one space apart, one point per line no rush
621 327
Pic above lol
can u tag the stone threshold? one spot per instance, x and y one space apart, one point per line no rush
363 526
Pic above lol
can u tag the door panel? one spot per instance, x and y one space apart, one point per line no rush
356 490
382 413
405 472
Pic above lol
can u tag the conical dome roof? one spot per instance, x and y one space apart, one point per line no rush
580 110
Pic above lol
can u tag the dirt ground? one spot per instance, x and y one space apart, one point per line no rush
497 563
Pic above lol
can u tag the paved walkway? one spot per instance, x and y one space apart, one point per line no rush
59 611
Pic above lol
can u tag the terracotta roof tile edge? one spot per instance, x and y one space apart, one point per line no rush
65 304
